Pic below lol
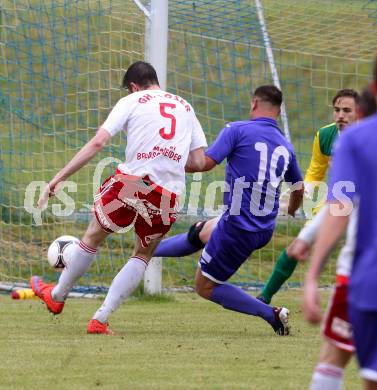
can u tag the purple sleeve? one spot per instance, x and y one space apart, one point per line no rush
343 174
293 174
223 145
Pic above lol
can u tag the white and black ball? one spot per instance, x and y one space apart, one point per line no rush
60 251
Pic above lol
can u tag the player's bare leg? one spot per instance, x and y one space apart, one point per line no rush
207 230
145 252
330 354
94 235
328 374
123 285
234 298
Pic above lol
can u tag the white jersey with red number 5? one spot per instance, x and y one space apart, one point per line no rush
161 129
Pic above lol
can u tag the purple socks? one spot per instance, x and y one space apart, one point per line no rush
234 298
176 246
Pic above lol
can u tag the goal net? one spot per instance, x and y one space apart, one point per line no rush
61 66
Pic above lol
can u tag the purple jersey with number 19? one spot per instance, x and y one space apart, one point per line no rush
259 158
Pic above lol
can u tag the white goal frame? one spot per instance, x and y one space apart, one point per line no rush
156 50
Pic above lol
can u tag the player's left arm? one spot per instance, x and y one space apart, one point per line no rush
83 156
295 198
294 175
112 125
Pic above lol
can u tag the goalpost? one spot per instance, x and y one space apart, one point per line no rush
271 62
156 51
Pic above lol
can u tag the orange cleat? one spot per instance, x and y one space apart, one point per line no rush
96 327
43 291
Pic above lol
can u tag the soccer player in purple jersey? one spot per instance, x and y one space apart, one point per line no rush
337 345
353 180
259 158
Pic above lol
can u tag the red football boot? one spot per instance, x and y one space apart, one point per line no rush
43 291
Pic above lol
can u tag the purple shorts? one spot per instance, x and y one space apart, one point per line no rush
228 248
364 324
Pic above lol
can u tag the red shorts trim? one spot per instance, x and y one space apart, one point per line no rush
342 279
126 201
336 325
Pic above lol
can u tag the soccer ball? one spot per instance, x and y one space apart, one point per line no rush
60 251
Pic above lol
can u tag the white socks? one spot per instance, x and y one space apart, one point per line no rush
82 258
122 286
327 377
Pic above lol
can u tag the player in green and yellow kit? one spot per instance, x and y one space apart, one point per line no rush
344 111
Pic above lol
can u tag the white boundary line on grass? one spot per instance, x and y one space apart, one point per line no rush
271 62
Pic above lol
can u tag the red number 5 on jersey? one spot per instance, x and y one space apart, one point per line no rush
165 114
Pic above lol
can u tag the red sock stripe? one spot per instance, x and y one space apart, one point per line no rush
87 248
329 372
140 258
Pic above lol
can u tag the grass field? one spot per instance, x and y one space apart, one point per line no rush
182 342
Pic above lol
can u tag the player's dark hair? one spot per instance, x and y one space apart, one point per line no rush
270 94
141 73
367 103
346 93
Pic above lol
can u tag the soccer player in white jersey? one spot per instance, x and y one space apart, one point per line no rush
337 346
163 133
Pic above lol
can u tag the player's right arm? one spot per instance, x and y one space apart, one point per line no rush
293 175
85 154
198 162
113 124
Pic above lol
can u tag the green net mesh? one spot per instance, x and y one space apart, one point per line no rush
61 63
